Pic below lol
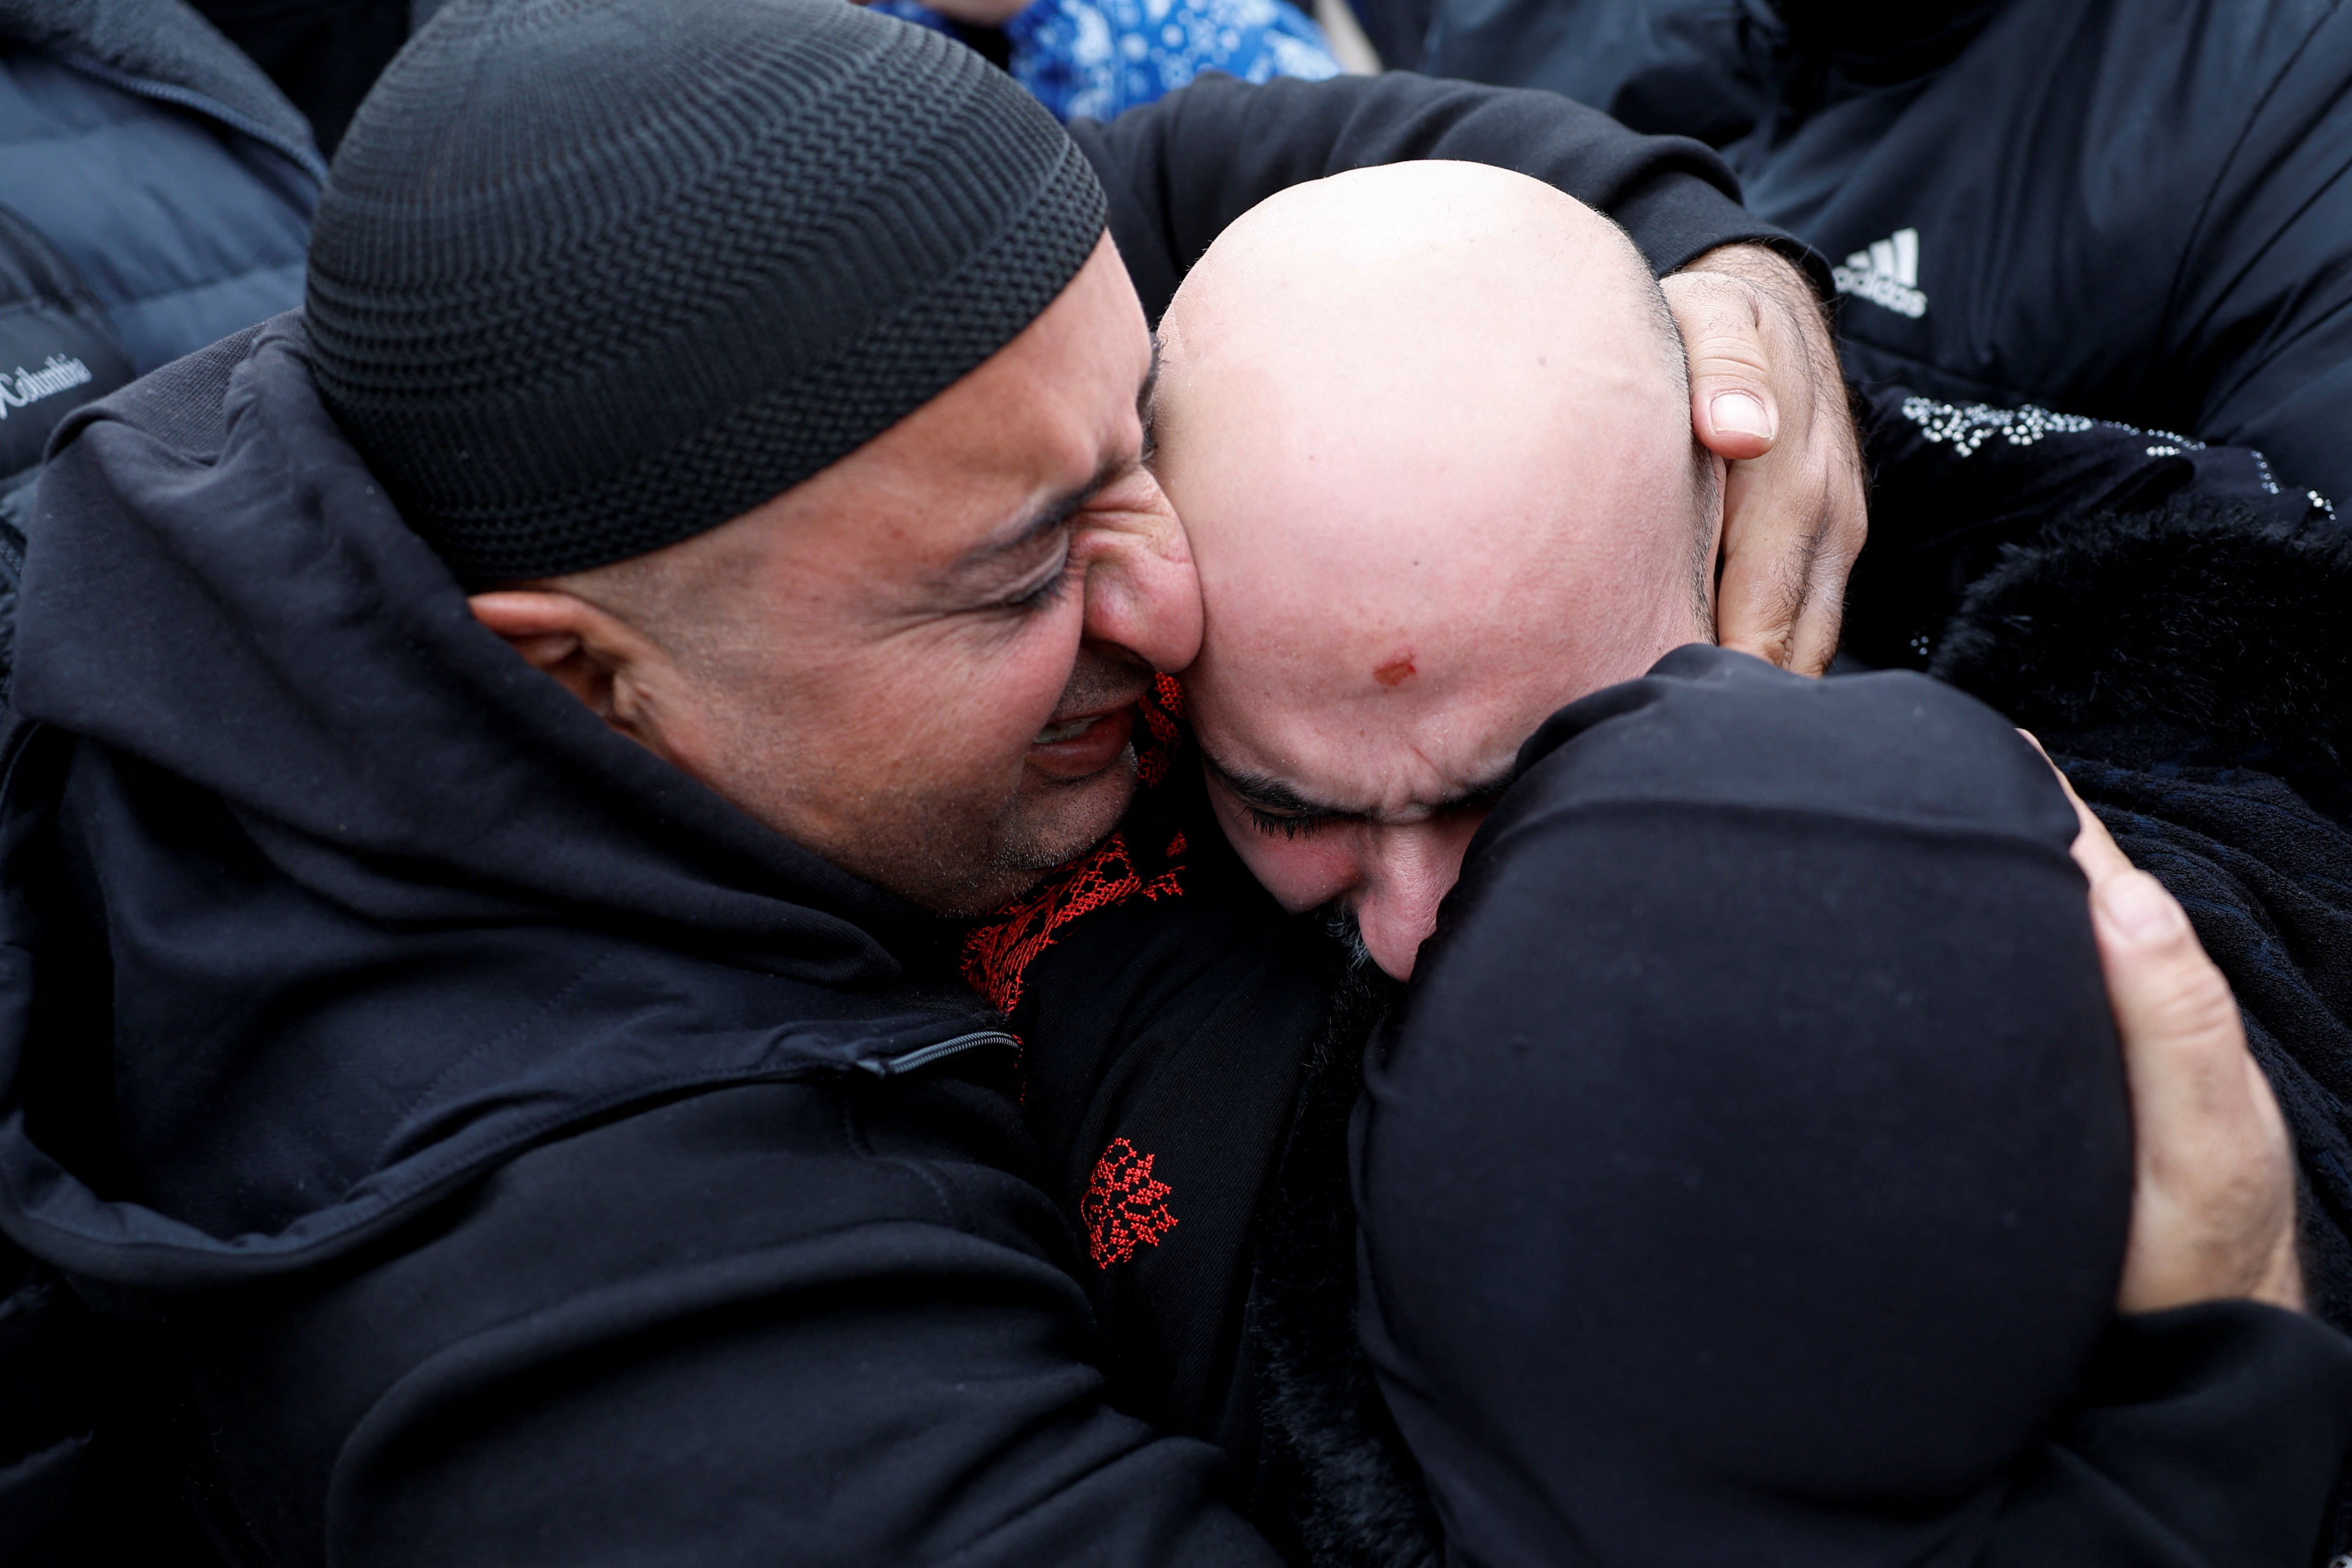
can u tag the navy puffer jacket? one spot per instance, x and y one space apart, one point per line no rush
160 161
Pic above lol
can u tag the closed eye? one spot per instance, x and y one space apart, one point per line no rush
1048 592
1290 827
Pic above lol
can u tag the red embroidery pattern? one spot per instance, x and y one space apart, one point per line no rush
1163 717
1124 1207
998 954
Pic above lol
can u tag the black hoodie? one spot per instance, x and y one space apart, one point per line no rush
486 1145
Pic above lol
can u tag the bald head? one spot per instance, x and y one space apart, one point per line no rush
1428 429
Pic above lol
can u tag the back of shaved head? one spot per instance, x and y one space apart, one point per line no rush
1428 428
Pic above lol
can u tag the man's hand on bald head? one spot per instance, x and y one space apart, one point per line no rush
1428 429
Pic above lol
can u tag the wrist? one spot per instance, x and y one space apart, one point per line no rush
2282 1283
1782 272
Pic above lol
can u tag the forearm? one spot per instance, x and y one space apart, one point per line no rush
1179 171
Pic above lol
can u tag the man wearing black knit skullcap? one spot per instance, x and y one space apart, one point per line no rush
691 289
540 1120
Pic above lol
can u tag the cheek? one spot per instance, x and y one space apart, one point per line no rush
961 704
1301 872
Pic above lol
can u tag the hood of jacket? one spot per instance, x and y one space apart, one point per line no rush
317 901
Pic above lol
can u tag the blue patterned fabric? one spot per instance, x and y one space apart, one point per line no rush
1091 60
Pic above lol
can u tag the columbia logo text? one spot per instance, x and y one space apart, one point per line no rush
26 387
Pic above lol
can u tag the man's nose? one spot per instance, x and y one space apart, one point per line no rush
1141 593
1410 870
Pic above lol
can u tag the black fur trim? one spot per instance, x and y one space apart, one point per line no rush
1338 1488
2197 614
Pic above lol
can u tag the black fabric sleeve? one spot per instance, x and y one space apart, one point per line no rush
2261 319
798 1323
2210 1435
1178 171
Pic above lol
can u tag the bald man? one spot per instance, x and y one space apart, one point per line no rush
1750 1166
1423 427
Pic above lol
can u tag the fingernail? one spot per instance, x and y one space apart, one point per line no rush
2137 905
1740 413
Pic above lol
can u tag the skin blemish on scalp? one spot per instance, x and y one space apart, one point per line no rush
1396 672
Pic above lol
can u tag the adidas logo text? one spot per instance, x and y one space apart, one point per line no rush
1887 274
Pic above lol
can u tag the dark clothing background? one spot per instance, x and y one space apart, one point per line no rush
2169 620
2135 209
323 54
2170 623
1179 171
51 321
482 1144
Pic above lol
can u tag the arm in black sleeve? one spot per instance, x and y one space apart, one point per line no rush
801 1323
1178 171
2257 336
2210 1435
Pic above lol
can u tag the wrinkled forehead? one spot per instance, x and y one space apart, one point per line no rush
1393 758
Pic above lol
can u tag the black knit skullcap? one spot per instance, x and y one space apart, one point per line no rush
592 276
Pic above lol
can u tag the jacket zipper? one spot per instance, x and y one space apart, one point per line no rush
924 1055
305 156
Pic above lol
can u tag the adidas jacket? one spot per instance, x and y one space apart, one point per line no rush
2138 210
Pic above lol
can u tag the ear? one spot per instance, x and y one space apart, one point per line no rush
608 664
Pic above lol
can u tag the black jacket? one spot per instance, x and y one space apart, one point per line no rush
2136 209
2171 625
480 1143
2169 620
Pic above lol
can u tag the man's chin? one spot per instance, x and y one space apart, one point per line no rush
1055 820
963 864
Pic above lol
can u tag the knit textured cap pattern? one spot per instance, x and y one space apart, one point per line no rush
592 276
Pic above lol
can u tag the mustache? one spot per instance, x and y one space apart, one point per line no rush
1100 680
1339 923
